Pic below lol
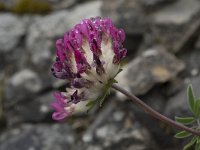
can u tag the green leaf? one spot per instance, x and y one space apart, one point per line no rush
191 98
90 105
197 107
120 70
185 120
182 134
101 100
197 146
190 144
106 91
198 140
115 81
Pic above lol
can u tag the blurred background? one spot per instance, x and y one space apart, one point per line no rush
163 43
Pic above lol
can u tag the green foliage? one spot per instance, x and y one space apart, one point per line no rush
31 7
196 108
193 121
182 134
190 144
191 98
185 120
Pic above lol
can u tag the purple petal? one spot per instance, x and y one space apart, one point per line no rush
82 64
60 98
121 35
59 44
119 56
59 115
61 71
57 106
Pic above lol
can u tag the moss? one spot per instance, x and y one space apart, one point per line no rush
2 7
31 7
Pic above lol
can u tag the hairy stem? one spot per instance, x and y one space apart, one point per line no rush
154 113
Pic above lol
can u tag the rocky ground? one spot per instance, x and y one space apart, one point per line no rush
163 45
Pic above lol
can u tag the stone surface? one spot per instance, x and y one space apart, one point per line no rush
161 132
178 104
116 128
37 137
26 54
168 25
42 33
12 28
152 67
153 4
31 110
21 85
165 24
192 62
179 12
132 15
62 4
127 14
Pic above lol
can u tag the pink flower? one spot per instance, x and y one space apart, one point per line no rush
89 57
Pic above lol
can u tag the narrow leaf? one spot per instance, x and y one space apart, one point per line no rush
120 70
198 140
191 97
103 98
182 134
115 81
190 144
197 107
90 104
185 120
197 146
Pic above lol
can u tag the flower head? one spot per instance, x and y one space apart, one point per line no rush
89 57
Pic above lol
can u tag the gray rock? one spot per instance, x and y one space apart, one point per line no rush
28 79
127 14
161 132
152 5
42 33
197 44
12 28
178 104
116 128
153 2
152 67
132 15
38 137
192 62
91 9
177 13
165 24
31 110
62 4
22 84
168 25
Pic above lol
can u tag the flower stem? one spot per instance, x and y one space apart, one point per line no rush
154 113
